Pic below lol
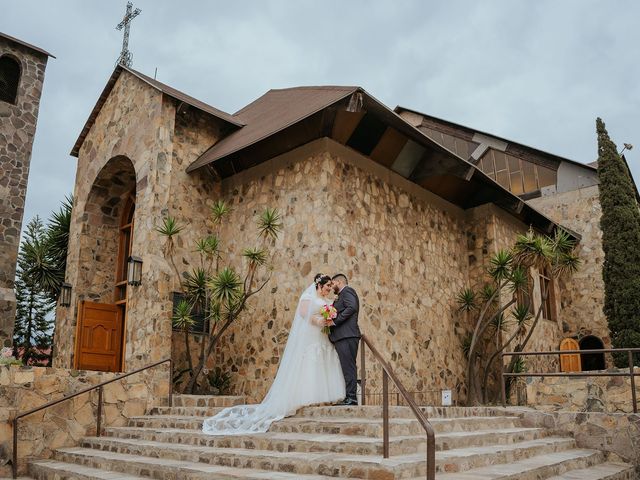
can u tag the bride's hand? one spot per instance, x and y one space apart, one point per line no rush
317 320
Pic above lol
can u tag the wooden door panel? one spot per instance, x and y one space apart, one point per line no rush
570 362
100 337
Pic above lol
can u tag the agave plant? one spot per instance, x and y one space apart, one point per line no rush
256 256
225 286
532 250
466 300
195 286
500 265
269 224
218 289
219 211
182 318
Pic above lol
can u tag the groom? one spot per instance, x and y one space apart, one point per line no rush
345 334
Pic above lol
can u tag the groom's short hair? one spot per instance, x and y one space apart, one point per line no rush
341 276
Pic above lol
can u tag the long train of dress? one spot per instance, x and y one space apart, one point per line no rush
309 373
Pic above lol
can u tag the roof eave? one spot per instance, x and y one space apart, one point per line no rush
201 161
542 152
25 44
75 151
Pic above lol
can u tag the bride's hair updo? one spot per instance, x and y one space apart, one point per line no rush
321 280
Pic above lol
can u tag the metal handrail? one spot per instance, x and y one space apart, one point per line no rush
631 374
387 373
99 387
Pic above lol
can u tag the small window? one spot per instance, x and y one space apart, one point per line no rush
9 79
201 322
546 286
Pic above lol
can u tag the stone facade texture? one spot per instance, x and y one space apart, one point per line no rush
17 131
574 394
406 251
24 388
617 433
582 295
132 149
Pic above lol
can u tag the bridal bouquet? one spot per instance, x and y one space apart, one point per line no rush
328 312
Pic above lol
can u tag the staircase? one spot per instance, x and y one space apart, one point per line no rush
327 442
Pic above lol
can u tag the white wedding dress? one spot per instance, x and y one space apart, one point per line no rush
309 373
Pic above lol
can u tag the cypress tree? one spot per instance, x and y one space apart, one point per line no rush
620 225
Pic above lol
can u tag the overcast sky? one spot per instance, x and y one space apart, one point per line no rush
537 72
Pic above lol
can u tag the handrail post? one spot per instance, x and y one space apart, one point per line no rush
503 387
14 463
170 382
363 373
99 415
633 383
431 457
385 414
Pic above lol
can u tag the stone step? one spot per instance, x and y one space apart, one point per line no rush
603 471
371 427
185 411
313 442
280 442
370 411
207 400
167 469
532 468
52 469
346 411
343 464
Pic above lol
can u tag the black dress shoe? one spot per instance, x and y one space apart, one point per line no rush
347 402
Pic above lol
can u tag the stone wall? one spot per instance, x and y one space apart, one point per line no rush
135 123
617 433
403 249
141 143
582 295
490 229
579 394
17 131
23 388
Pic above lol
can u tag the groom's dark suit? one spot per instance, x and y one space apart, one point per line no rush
345 336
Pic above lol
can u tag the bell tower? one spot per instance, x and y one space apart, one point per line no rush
22 69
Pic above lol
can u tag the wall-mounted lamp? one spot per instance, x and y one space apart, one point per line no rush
65 295
134 271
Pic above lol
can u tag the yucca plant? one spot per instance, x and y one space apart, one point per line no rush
219 211
183 320
269 224
219 291
509 271
521 317
466 300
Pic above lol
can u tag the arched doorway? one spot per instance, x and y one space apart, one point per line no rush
592 361
105 247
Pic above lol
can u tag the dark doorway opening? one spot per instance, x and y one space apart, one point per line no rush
592 361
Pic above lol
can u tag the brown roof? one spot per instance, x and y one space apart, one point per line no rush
272 112
25 44
166 89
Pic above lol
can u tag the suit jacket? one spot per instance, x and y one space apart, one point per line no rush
346 323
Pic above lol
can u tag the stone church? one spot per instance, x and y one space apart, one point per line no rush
22 69
409 206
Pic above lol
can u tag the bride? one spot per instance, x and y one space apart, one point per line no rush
309 372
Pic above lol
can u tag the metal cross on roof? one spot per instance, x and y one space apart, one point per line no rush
126 57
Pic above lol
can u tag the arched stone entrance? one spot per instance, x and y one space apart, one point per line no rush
592 361
105 246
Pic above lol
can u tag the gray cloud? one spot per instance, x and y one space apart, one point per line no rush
535 72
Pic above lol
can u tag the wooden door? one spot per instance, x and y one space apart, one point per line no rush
570 362
99 337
